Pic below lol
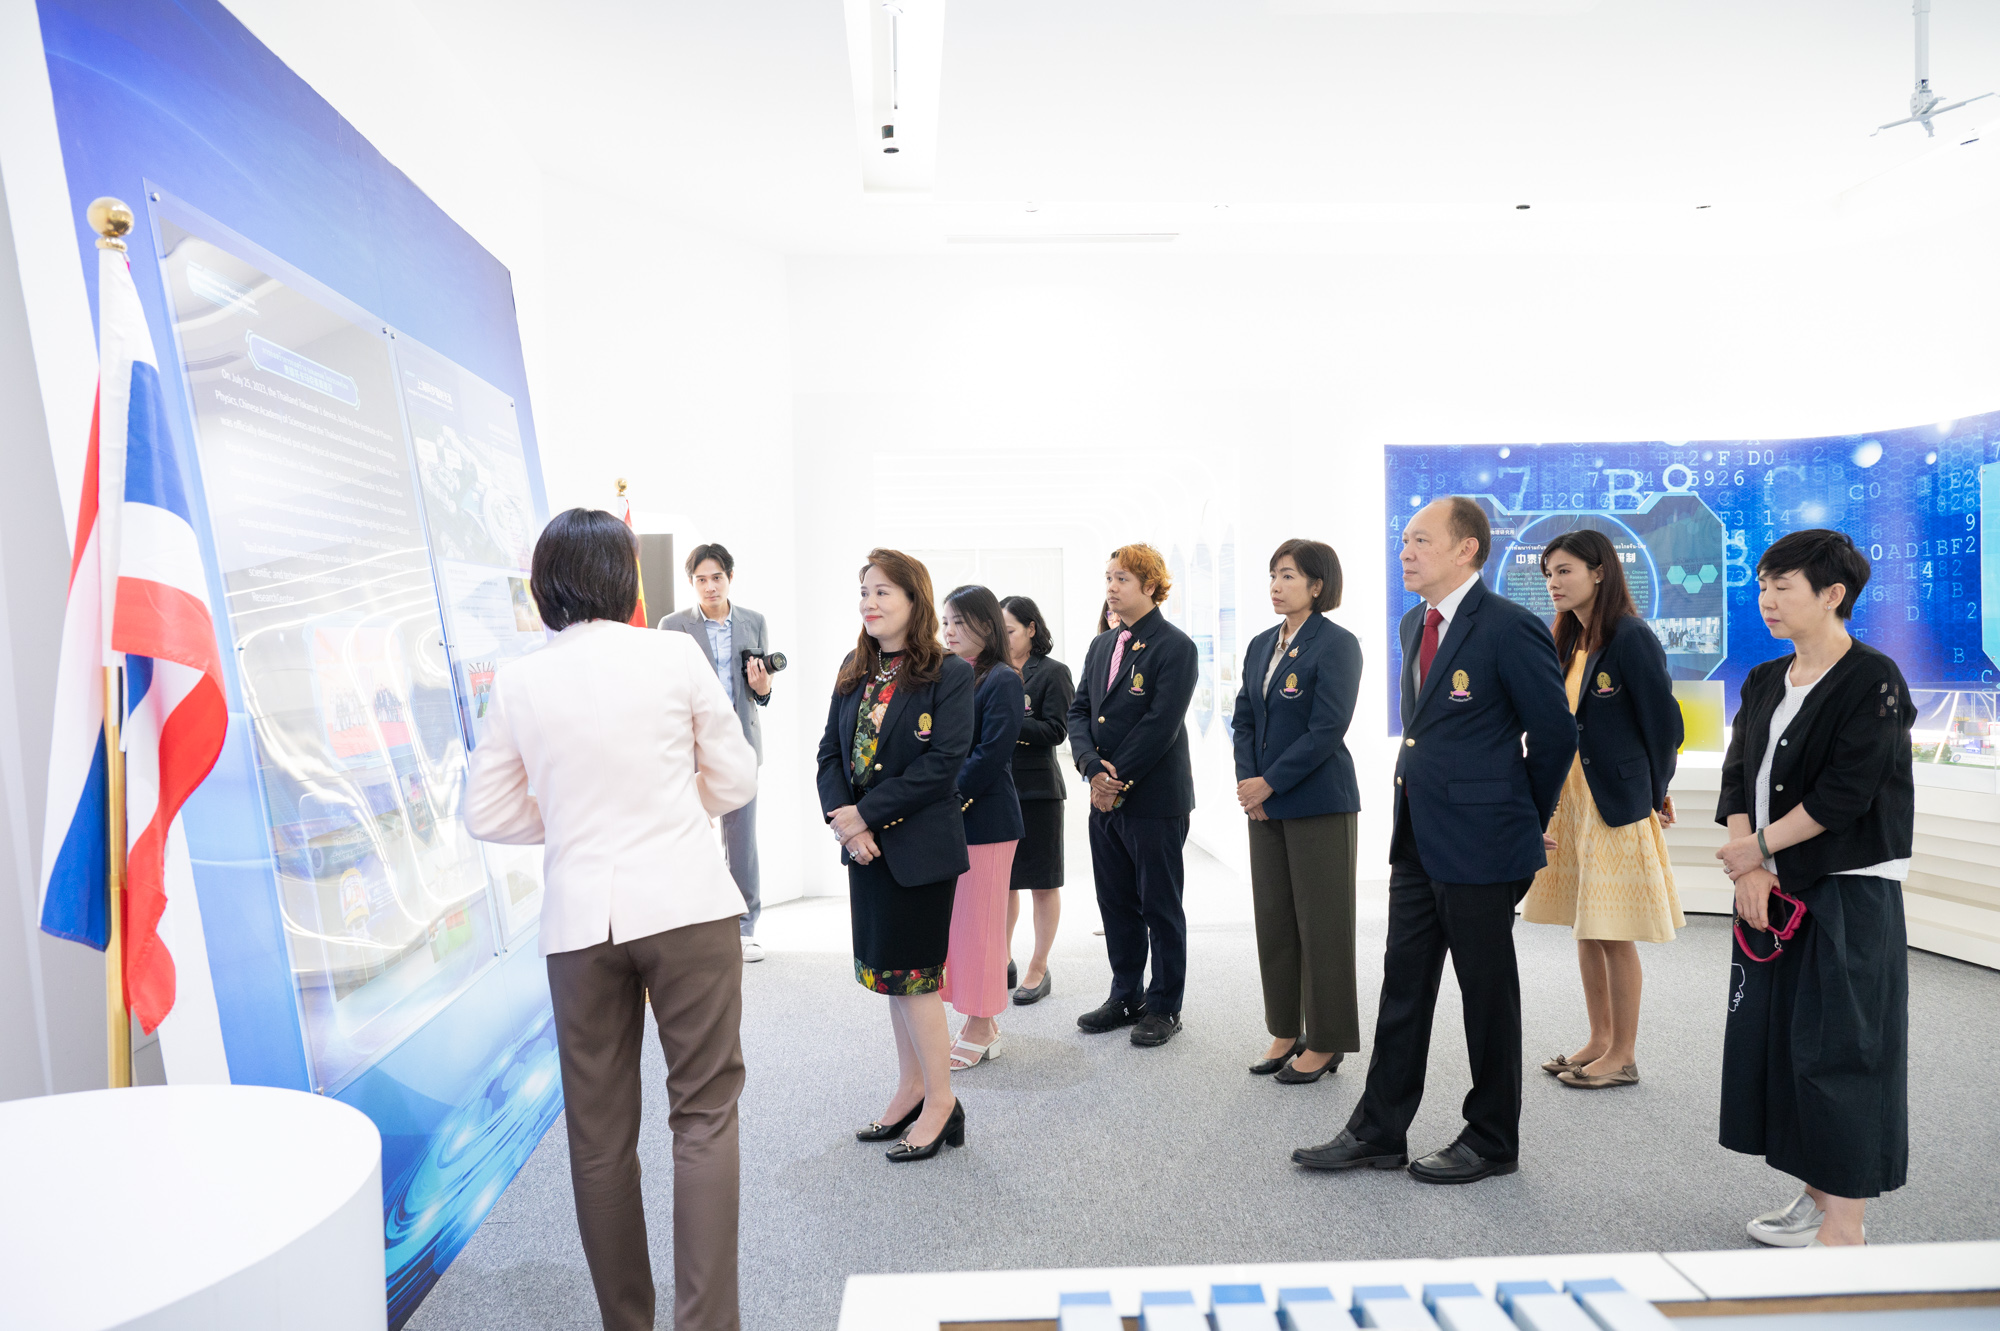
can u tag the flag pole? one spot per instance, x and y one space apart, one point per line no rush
117 1017
111 219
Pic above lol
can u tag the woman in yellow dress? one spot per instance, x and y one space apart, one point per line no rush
1608 876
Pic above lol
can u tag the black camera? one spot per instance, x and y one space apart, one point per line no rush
773 661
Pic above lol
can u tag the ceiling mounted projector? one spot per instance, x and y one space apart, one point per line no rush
1923 102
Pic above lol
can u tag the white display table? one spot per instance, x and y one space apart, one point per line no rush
173 1208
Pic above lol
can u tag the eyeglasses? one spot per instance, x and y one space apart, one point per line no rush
1786 912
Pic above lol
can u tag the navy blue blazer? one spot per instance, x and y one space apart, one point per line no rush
1044 729
1629 726
1473 805
986 781
1295 736
1138 722
912 804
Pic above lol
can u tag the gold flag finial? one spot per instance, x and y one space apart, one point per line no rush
110 218
621 487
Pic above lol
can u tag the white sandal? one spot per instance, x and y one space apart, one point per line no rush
974 1054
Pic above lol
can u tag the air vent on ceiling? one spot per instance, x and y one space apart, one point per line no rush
1064 238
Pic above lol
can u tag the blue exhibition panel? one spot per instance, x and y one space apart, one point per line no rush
1690 520
346 387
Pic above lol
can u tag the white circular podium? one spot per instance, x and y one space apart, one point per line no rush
177 1208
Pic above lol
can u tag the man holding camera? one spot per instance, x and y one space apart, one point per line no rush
733 640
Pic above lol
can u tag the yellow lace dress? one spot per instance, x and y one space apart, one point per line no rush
1611 883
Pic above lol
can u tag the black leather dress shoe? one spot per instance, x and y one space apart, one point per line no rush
1023 995
887 1132
1349 1152
1155 1029
1013 977
1112 1014
1264 1067
1291 1076
1459 1163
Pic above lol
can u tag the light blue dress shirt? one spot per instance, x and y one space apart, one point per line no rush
722 649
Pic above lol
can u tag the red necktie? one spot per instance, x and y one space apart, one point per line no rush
1429 650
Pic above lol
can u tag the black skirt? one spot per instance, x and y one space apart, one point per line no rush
1815 1055
901 934
1038 859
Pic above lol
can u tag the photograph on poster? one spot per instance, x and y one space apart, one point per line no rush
1689 521
320 536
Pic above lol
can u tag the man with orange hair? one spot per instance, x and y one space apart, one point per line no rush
1128 735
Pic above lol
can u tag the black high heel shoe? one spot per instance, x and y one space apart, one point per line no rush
953 1135
1264 1067
882 1132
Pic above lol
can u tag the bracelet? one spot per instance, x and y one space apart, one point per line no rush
1762 844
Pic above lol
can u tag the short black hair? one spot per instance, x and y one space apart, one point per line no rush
1825 557
1026 612
1316 562
586 566
1464 518
711 550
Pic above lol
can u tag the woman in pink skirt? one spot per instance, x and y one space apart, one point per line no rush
975 968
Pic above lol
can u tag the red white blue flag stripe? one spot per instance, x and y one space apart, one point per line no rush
150 599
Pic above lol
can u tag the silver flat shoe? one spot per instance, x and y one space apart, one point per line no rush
1794 1225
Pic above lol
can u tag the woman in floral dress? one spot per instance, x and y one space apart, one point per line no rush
898 728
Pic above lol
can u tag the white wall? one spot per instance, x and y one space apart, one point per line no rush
1074 390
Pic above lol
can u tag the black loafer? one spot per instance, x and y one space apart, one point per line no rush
1024 995
1110 1015
1349 1152
1264 1067
1459 1163
1013 976
1155 1029
1291 1076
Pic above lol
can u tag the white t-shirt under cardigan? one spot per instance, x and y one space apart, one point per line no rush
1795 698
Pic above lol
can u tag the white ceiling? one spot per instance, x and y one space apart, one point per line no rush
1254 126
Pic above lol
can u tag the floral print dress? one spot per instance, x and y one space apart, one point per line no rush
876 696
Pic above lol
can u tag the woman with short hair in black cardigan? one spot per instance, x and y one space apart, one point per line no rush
1819 800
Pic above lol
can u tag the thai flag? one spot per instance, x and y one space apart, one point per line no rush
137 590
638 619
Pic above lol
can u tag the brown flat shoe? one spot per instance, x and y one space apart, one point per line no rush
1578 1078
1556 1066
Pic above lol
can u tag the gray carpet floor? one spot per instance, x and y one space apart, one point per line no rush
1084 1151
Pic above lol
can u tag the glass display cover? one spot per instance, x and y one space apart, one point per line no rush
341 650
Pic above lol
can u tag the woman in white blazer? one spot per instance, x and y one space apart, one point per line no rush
613 746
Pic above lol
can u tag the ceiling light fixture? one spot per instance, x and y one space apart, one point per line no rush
1923 102
1520 207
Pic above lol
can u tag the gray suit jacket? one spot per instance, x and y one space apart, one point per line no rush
746 629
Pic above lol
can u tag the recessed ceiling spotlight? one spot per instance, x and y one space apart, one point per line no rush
1700 206
1520 207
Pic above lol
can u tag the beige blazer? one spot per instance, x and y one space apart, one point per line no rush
612 747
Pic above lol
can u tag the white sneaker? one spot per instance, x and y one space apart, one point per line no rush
1794 1225
752 949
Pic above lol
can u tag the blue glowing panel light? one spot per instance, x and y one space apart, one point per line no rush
1691 519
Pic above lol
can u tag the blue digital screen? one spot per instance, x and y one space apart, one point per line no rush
1690 519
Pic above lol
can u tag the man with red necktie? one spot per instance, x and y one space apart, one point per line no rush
1480 675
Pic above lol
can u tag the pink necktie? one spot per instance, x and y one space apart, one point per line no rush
1118 656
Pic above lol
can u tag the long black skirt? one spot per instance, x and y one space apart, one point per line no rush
901 934
1815 1055
1038 858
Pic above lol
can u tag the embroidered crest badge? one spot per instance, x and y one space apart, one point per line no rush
1138 688
1604 689
1291 689
924 726
1460 690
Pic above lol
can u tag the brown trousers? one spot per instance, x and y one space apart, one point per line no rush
695 975
1302 896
